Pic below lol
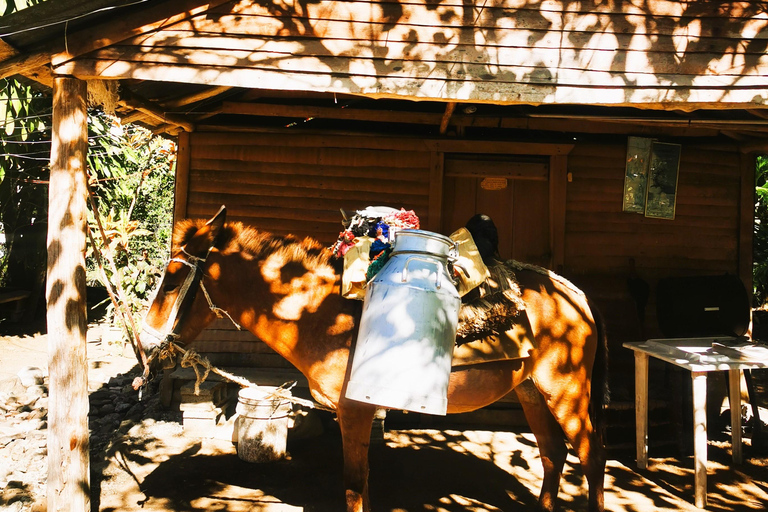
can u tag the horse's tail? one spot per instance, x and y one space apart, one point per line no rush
600 394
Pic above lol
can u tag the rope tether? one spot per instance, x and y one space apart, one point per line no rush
191 359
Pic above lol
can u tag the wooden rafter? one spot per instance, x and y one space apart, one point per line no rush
528 122
105 34
7 51
134 24
152 110
205 94
449 108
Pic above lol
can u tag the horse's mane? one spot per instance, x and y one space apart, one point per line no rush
238 237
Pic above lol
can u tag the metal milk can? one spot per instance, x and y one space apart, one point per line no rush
402 359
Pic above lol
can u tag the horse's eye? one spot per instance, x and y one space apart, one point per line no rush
170 288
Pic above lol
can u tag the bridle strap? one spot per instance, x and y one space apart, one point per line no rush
168 332
195 277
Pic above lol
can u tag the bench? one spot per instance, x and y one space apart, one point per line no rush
17 296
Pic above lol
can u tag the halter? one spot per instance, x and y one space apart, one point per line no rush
170 332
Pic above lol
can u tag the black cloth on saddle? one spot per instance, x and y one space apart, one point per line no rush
485 235
491 308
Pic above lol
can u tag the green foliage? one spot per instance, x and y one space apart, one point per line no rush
130 174
760 239
133 190
25 143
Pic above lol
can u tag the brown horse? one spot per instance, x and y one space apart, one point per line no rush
286 292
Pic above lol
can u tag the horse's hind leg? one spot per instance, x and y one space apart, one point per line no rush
355 421
550 439
567 397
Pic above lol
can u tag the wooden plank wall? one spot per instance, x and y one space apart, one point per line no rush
703 237
297 185
652 53
605 247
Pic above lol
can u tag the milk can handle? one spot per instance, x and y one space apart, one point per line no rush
425 260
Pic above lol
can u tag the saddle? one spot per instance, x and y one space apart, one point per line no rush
493 324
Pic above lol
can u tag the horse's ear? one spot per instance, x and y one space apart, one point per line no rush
217 222
207 236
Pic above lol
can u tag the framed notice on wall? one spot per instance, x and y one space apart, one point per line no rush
661 193
636 174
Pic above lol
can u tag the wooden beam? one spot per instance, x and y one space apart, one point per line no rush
151 18
532 122
68 460
23 64
7 51
350 114
205 94
134 117
150 109
758 113
436 172
748 164
181 195
758 125
558 182
42 75
449 108
94 38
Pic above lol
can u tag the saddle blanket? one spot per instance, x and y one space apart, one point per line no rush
515 343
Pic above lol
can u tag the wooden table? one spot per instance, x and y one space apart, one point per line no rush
699 356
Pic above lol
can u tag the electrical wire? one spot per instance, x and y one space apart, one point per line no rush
67 20
24 157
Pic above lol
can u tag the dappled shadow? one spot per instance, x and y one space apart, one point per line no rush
414 470
730 486
495 51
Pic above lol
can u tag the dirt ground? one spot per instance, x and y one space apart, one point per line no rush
151 465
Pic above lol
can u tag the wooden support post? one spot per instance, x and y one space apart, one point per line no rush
641 408
700 437
746 219
68 463
558 181
436 171
734 402
181 194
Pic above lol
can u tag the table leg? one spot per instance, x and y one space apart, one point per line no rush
641 408
734 385
700 437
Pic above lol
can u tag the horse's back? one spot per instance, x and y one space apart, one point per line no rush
557 309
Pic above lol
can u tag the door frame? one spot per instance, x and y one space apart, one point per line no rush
558 180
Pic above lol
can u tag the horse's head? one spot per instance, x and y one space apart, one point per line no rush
179 309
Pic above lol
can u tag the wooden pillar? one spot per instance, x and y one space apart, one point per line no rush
558 181
181 194
641 408
747 220
68 466
435 211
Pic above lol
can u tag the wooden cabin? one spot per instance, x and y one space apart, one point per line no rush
538 113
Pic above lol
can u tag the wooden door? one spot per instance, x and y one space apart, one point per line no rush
514 192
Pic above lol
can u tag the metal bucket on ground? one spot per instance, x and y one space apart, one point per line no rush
262 424
402 359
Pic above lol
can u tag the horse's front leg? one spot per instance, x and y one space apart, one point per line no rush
355 420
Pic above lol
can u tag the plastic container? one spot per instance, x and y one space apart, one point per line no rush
262 424
402 359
